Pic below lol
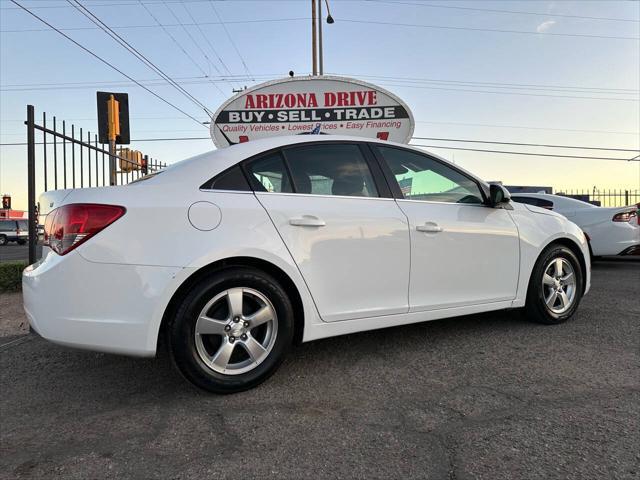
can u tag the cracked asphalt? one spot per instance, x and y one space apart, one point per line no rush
486 396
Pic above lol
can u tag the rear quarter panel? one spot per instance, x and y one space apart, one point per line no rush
156 231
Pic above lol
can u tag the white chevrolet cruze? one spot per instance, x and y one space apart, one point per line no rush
234 255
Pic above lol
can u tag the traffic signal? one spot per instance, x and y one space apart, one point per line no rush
121 120
6 202
131 160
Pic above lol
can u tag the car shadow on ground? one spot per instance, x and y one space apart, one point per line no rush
95 374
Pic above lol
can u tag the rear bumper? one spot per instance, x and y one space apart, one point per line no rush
104 307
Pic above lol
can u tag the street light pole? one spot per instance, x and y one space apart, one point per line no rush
314 59
329 21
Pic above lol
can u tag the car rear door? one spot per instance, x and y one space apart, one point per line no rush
462 252
335 214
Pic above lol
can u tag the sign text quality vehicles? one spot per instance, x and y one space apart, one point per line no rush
312 105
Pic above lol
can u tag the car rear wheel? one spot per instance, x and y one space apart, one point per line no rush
232 331
555 287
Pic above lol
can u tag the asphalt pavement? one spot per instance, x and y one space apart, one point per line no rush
488 396
12 252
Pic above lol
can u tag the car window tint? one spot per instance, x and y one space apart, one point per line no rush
232 179
331 169
270 175
423 178
23 225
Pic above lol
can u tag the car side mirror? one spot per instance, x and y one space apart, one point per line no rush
498 195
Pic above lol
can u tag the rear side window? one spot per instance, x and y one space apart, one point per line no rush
232 179
330 169
269 174
23 225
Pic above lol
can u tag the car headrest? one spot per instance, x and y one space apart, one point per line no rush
351 186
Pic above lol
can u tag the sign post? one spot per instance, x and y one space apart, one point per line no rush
113 113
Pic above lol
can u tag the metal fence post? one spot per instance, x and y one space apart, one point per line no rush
31 183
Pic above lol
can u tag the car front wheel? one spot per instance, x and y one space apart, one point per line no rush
232 331
555 287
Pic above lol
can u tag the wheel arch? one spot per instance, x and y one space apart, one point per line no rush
575 249
252 262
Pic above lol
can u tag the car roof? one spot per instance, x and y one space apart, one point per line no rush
218 160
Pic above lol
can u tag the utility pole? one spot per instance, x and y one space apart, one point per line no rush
320 54
113 109
314 58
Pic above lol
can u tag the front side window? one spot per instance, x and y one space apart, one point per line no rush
331 169
269 174
423 178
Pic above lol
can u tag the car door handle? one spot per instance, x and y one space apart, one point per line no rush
429 227
307 221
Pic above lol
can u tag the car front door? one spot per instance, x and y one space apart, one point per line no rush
462 252
336 216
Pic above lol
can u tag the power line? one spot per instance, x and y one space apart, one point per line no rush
174 40
233 43
106 62
489 125
579 157
493 30
524 153
206 39
136 27
527 144
495 84
582 97
495 10
131 49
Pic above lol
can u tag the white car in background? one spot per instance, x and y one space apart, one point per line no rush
610 231
291 239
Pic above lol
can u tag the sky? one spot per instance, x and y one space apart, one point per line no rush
543 72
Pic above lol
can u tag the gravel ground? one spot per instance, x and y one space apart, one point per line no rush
486 396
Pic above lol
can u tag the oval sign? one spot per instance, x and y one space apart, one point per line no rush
312 105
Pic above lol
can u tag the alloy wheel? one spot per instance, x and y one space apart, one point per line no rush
559 285
236 331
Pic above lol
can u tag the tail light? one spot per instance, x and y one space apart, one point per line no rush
69 226
624 216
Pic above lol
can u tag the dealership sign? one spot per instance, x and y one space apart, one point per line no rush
312 105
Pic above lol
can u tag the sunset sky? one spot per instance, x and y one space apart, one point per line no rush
543 72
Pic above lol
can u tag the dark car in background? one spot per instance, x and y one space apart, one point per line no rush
14 230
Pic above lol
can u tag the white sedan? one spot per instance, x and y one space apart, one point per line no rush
610 231
234 255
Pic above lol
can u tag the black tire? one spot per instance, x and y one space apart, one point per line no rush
181 330
3 240
536 308
22 242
